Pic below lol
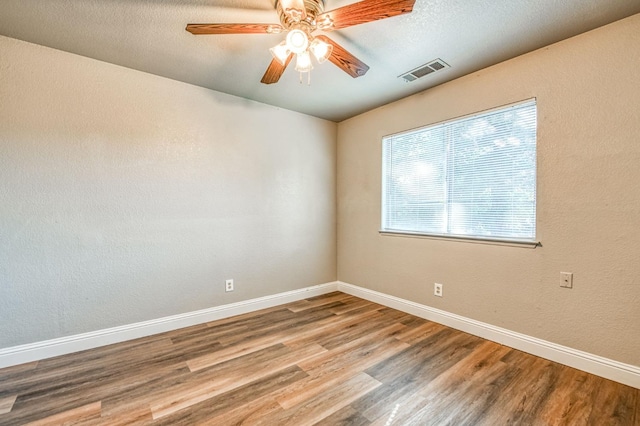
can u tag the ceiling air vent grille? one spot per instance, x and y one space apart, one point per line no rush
426 69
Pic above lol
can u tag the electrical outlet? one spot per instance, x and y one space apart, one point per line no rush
567 279
228 286
437 290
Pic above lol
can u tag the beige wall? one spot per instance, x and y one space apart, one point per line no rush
127 197
588 92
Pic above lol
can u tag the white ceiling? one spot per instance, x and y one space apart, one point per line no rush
149 35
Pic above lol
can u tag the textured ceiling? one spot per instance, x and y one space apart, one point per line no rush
149 35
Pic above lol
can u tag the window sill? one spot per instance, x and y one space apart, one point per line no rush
498 242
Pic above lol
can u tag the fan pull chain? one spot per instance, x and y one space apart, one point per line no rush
308 78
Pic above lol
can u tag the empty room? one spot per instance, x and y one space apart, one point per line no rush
335 212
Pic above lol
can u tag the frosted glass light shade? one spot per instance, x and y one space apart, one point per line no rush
280 52
303 63
297 41
321 50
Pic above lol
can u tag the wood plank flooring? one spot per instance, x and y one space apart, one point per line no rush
328 360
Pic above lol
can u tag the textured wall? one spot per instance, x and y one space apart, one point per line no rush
127 197
588 92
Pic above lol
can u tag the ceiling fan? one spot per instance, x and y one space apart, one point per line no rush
300 19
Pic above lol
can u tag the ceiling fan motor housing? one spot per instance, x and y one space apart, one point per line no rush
313 8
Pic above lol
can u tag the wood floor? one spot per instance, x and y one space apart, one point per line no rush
331 360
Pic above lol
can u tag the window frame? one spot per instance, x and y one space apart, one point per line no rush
512 242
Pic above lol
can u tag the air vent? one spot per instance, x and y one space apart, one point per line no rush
422 70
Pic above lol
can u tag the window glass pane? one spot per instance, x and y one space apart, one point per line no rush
416 191
473 177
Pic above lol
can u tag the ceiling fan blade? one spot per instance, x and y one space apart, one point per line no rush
363 12
198 29
275 70
345 60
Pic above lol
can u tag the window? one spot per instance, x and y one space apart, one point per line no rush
473 177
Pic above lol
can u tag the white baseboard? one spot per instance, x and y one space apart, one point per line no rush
594 364
49 348
604 367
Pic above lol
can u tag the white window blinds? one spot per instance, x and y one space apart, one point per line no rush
470 177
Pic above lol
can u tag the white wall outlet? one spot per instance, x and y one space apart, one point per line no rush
437 290
228 286
567 279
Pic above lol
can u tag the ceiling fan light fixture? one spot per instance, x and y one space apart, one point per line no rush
297 41
280 52
321 50
303 62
